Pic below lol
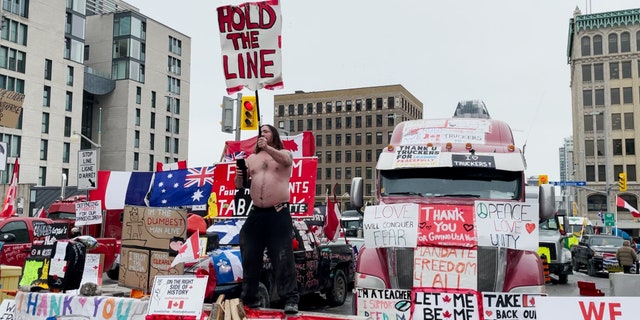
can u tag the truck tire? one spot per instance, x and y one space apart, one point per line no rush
113 274
337 294
563 278
263 296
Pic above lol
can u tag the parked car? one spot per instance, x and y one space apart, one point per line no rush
596 253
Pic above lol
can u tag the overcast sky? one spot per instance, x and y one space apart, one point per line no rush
511 54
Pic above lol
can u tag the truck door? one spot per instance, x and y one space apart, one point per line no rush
17 249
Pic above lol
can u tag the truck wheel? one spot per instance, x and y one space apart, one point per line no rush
263 296
563 278
114 273
337 294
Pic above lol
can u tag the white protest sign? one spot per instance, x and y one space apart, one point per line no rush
445 267
384 303
177 295
58 264
511 225
7 309
88 212
430 304
509 306
391 225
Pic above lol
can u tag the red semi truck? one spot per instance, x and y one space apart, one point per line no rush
451 163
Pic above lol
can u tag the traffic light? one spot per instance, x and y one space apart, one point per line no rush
227 114
543 179
622 181
249 113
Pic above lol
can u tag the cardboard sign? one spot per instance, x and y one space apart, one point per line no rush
10 108
511 225
384 303
587 308
177 295
446 225
509 306
43 306
88 212
430 304
250 40
151 237
445 267
393 225
302 190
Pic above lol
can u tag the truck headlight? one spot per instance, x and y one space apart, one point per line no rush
368 281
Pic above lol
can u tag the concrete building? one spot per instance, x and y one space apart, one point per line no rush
100 68
604 55
351 126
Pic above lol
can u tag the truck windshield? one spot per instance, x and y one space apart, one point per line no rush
452 182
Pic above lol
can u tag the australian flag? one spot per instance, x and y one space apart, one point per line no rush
186 187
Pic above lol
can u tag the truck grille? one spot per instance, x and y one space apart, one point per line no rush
491 266
552 250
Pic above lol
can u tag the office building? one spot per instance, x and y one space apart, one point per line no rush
604 58
351 126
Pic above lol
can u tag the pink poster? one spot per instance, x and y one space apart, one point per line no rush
447 225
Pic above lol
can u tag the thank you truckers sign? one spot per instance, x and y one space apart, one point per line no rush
87 169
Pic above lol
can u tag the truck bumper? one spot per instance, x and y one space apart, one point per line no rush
561 268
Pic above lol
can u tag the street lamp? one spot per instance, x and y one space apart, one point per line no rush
77 136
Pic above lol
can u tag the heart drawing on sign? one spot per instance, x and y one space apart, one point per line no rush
530 227
468 227
422 224
488 313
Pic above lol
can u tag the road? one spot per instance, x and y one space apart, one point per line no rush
317 303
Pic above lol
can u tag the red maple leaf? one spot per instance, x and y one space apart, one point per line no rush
446 299
532 301
290 145
447 314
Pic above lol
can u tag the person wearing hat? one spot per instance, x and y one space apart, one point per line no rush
626 256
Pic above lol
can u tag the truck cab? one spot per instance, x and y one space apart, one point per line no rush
452 163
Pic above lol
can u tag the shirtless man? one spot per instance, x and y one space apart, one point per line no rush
269 223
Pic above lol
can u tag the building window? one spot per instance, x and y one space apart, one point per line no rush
174 65
625 42
615 95
629 147
391 102
338 122
300 109
347 156
338 106
46 96
338 156
318 124
586 46
586 73
338 140
12 59
138 95
631 172
368 104
616 121
176 126
369 121
153 99
67 127
48 64
45 123
328 138
310 124
614 70
69 75
136 139
627 95
628 121
152 164
368 173
617 147
68 106
626 69
338 175
378 120
358 104
175 45
319 140
328 124
589 148
598 72
152 120
300 127
14 31
613 43
597 45
347 173
173 85
167 124
358 138
328 156
138 116
44 149
42 176
369 138
136 160
599 97
347 139
358 121
66 152
319 107
368 156
358 157
167 144
176 145
378 137
152 141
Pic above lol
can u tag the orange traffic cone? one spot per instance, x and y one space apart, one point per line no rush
545 268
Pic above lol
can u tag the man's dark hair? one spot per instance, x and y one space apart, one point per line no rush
277 142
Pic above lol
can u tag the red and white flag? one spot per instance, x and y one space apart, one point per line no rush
332 219
181 164
189 252
9 207
623 204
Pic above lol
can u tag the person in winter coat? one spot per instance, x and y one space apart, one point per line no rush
626 256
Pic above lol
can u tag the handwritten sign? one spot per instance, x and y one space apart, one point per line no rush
250 39
446 225
587 308
391 225
507 224
10 108
384 303
88 212
42 306
460 305
177 295
510 306
7 309
302 190
445 267
417 156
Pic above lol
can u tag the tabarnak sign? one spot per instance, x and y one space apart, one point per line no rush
87 169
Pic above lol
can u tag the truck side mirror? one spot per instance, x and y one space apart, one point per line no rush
8 237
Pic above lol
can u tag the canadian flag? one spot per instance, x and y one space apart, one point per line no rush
623 204
9 207
300 145
332 219
189 252
175 304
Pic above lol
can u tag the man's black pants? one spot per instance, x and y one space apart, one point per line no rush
271 229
